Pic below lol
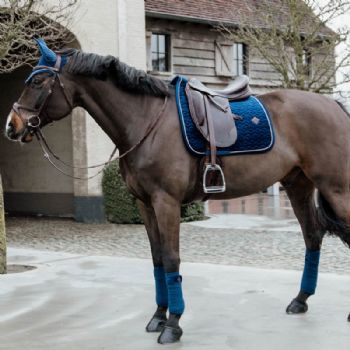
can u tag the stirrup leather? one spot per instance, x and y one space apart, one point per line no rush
212 169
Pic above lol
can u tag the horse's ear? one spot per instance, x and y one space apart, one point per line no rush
48 57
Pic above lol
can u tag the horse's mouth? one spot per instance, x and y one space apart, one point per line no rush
27 137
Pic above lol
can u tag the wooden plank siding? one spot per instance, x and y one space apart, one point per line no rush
193 54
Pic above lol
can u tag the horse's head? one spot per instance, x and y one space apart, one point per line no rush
44 99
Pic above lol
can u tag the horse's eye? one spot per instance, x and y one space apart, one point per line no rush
36 81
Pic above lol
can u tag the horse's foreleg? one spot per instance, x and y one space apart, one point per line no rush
158 320
167 211
301 194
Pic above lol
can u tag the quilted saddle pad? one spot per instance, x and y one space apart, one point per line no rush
255 130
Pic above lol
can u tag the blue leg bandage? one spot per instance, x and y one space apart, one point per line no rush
161 288
176 301
309 279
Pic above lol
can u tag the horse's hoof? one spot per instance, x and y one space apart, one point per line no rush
296 307
349 318
170 335
156 324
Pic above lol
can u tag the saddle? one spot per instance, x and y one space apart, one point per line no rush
212 115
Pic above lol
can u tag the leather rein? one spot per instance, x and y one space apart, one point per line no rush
33 124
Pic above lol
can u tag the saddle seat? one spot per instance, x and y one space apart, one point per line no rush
236 90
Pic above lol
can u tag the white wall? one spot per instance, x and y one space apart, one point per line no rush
115 27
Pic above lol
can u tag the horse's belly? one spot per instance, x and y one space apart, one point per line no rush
248 174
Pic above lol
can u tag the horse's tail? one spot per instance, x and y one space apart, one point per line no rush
330 223
341 105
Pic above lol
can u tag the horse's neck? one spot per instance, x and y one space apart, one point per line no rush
123 116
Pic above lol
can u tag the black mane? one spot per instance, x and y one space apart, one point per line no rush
124 76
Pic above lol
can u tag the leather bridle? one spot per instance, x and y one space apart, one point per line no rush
33 123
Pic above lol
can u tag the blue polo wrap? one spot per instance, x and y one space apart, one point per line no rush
309 279
161 287
175 298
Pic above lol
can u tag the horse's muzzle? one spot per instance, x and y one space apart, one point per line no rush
16 129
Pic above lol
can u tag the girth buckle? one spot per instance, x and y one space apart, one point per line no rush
213 173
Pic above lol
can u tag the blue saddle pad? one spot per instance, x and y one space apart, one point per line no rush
254 132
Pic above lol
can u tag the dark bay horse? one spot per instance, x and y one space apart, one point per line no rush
139 113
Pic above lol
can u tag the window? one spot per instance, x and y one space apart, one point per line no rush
230 59
238 59
160 52
307 62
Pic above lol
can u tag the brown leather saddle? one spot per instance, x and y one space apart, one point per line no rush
212 115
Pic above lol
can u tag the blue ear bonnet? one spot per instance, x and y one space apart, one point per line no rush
48 59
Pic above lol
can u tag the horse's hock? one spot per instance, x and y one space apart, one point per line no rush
2 234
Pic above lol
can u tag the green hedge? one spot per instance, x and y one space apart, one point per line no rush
120 205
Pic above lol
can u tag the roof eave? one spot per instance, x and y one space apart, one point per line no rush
164 15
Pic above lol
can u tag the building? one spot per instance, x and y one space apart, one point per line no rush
183 34
163 37
32 185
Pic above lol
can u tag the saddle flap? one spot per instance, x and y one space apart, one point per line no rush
215 108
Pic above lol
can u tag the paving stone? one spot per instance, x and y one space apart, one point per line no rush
262 248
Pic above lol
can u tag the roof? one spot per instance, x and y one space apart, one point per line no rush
218 11
204 10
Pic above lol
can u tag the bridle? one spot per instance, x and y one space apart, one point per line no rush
34 122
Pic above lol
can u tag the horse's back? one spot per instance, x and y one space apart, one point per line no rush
304 105
316 126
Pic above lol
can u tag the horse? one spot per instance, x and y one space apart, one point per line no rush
139 113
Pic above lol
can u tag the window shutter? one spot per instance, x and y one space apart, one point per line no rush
223 59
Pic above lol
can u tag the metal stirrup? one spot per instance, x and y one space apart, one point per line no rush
212 169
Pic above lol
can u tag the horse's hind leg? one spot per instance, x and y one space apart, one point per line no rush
300 191
334 212
158 320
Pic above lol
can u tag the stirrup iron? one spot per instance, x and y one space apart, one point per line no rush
212 169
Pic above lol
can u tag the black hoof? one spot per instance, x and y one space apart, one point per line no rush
349 318
170 335
297 307
156 324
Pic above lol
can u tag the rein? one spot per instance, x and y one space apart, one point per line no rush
47 151
33 124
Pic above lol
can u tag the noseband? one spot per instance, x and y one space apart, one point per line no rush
34 121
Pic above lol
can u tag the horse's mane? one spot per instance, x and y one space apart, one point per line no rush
103 67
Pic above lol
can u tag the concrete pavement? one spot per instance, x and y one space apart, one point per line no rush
74 302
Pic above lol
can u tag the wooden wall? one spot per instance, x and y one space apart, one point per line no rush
193 55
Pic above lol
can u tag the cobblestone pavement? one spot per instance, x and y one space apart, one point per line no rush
245 247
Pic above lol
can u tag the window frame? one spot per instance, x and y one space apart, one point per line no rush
307 62
236 69
167 53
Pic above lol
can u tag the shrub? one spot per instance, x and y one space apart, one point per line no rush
120 205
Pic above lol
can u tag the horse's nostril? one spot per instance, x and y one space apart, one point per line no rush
10 130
